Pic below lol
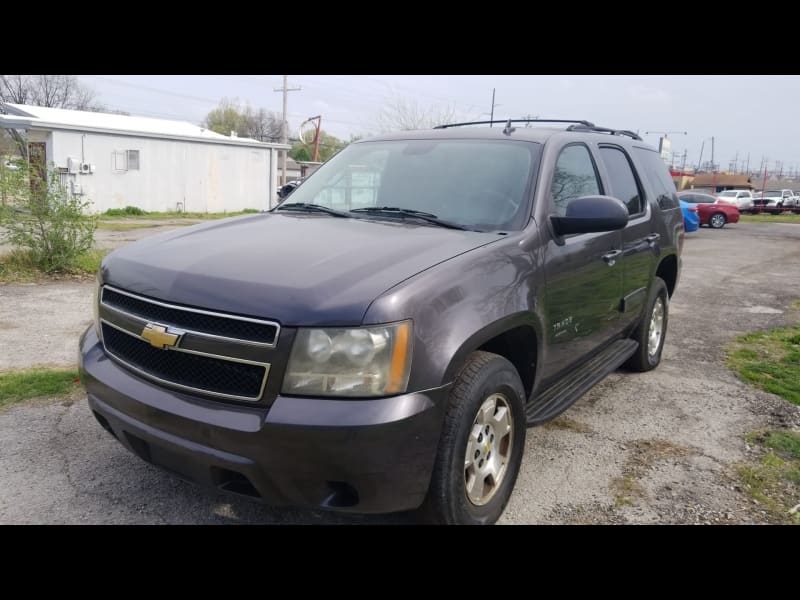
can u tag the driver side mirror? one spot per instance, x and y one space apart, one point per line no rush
590 214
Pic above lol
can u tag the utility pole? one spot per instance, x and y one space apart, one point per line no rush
285 125
491 117
712 153
700 160
747 168
736 163
683 169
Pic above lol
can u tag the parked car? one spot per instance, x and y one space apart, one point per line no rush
741 199
691 221
775 199
287 189
390 356
711 212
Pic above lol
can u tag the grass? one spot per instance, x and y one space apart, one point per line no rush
627 488
774 482
117 226
770 360
570 425
770 218
17 266
16 386
116 213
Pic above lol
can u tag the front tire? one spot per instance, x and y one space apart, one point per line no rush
652 330
480 451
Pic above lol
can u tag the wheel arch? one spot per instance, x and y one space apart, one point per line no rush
518 338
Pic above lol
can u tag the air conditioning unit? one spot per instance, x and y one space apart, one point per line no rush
73 165
86 167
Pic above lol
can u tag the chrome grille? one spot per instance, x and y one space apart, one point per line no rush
207 356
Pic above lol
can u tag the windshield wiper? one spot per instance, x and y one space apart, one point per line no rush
304 207
408 212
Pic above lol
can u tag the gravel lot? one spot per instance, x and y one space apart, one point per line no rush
657 447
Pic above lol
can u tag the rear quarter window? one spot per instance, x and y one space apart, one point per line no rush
659 177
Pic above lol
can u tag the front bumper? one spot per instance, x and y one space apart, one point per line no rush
366 456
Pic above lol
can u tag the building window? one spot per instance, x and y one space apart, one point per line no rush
125 160
133 160
118 159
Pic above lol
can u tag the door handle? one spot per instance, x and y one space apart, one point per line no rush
653 238
611 257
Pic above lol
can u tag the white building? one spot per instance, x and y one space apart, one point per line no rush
157 165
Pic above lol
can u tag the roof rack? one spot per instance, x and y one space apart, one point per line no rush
577 125
507 121
582 127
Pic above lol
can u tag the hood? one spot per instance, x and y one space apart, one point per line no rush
296 269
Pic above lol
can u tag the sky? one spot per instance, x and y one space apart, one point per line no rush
755 114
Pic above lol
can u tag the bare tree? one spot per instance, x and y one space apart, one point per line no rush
260 124
404 115
52 91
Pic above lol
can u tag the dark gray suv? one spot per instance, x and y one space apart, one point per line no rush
382 339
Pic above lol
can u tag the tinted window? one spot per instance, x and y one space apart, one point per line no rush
574 176
659 177
623 181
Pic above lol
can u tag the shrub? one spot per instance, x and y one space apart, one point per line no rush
49 222
128 211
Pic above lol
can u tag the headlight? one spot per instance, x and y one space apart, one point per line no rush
96 307
359 362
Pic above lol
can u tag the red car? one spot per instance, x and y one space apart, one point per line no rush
712 211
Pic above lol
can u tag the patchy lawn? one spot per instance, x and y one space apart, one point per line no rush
17 267
769 360
123 213
16 386
770 218
121 225
774 482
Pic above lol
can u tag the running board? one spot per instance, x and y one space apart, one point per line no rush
565 392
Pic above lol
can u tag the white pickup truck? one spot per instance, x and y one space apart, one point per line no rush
774 199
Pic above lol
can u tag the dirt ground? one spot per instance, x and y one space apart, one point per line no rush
657 447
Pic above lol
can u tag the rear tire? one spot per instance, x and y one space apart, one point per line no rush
480 451
717 221
652 330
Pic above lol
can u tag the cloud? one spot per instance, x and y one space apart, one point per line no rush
644 93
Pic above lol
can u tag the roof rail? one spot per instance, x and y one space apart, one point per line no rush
583 127
509 121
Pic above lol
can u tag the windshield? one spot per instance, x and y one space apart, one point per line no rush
772 194
728 195
478 184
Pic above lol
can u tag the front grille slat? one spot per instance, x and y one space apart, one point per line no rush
187 370
210 353
224 326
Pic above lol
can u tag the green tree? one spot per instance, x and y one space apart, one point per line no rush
328 146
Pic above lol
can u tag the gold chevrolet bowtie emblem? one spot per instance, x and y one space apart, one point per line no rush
159 337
